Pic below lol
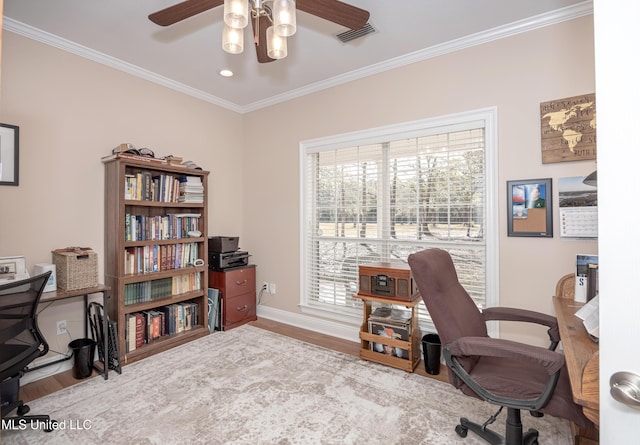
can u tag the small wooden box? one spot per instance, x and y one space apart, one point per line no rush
75 268
389 280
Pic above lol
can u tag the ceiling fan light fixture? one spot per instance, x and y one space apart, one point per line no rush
232 39
276 44
236 13
284 17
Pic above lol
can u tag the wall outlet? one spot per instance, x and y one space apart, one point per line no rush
265 286
61 327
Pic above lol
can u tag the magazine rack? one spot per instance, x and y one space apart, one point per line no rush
110 360
367 339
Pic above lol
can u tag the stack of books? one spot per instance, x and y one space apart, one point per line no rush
191 189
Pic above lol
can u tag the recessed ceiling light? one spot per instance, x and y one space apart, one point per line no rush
226 73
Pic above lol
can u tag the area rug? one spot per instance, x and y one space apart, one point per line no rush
252 386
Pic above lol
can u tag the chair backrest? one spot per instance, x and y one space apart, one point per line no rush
20 339
452 310
565 288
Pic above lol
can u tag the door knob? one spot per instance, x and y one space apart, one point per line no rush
625 388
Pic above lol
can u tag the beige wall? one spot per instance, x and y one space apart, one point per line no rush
72 111
514 74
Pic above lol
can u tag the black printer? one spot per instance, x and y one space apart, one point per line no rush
224 253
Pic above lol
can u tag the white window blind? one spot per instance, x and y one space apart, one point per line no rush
391 195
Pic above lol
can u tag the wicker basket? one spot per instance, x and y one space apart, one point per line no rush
76 268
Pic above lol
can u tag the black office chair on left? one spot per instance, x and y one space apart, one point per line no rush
21 342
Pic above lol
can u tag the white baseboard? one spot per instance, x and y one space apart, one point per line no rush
47 371
327 327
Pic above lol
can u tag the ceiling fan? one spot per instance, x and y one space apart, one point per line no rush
262 18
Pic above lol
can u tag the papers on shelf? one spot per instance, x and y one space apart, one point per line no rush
590 316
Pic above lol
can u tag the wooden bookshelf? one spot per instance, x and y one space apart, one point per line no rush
149 257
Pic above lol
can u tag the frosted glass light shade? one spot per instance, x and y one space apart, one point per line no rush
236 13
232 39
276 45
284 17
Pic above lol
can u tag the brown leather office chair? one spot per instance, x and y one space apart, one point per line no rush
502 372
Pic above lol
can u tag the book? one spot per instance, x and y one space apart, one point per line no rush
590 316
141 337
582 270
134 157
131 332
592 281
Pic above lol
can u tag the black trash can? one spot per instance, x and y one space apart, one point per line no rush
83 350
431 348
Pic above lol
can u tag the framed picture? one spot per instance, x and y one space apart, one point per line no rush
529 208
8 154
568 129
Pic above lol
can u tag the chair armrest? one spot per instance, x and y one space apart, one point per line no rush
496 347
525 315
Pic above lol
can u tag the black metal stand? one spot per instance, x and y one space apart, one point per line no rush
98 320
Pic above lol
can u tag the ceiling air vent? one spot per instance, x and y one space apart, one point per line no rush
352 34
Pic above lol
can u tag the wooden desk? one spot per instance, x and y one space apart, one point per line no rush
581 354
58 295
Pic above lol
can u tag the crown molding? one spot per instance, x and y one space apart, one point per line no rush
529 24
96 56
551 18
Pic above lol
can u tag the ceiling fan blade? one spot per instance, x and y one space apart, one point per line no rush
184 10
335 11
261 41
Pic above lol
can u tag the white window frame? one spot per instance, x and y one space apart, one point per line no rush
407 130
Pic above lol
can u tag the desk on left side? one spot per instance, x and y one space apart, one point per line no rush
58 295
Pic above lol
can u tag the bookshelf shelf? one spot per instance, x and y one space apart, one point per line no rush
157 291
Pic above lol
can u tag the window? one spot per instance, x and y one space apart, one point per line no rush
380 195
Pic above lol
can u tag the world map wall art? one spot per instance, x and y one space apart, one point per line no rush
568 128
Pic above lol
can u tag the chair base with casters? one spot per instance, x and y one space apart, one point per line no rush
513 434
10 389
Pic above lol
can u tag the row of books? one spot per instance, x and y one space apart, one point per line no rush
135 293
191 189
160 227
148 326
157 258
144 186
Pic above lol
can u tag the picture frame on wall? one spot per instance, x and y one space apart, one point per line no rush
9 142
529 208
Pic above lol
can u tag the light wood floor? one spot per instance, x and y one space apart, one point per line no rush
59 381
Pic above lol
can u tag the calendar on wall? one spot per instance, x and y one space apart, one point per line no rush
578 207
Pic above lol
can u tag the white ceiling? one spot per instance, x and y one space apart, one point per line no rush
188 55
